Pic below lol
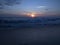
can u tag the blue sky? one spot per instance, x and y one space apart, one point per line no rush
37 6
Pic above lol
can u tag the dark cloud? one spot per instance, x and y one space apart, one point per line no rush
9 3
12 2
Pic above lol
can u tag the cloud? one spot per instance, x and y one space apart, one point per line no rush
41 6
9 2
4 3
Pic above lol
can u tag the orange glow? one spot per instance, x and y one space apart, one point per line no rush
32 15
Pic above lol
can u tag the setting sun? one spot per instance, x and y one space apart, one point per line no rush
32 15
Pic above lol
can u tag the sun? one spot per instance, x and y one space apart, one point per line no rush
32 15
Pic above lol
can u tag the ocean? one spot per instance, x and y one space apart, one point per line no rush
29 32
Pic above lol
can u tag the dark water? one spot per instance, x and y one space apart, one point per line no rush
31 36
30 32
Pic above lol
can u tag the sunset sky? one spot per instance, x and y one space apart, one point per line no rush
46 7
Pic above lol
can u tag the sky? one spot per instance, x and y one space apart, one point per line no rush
38 7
